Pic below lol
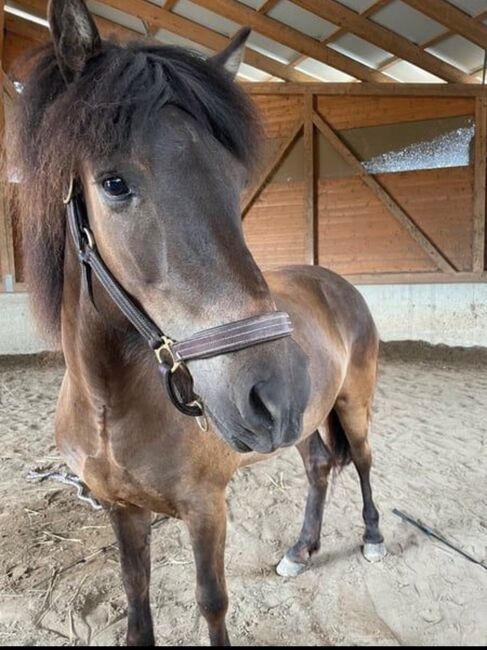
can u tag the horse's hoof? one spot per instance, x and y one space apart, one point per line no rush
289 569
374 552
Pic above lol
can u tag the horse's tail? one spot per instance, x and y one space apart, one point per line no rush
338 442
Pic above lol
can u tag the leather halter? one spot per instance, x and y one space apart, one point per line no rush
172 356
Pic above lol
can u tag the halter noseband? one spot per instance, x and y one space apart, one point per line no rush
172 356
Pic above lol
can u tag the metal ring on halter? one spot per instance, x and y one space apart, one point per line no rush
69 195
89 237
202 419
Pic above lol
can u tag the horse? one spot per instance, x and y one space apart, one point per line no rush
160 143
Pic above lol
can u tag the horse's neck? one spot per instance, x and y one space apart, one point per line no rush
97 345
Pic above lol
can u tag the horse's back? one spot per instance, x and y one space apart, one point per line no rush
327 297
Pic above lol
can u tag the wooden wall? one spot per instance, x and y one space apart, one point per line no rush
318 204
313 202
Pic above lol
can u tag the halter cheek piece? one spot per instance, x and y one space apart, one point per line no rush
172 356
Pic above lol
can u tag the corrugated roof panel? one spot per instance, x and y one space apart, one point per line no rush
206 18
407 22
304 21
116 16
472 7
357 5
255 4
459 52
360 50
322 72
409 73
249 73
169 38
271 48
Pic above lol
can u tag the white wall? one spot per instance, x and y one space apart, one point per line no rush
17 330
453 314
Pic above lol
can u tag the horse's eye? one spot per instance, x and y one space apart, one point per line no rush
116 187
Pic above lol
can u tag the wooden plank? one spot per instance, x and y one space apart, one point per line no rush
279 114
310 206
361 89
414 278
394 208
384 38
455 19
353 112
358 235
271 167
291 38
480 171
275 227
170 4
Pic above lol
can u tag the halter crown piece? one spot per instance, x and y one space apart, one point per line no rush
172 356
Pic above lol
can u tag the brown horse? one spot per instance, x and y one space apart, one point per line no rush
162 143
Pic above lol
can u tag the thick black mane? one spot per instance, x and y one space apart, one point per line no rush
121 90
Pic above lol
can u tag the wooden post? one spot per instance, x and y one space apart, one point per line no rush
479 185
310 182
7 265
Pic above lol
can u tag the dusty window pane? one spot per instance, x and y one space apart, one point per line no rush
429 144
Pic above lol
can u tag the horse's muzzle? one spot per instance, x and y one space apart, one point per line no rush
271 406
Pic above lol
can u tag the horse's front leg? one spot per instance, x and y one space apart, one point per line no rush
207 528
132 528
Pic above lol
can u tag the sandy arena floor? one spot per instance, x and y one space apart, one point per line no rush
430 460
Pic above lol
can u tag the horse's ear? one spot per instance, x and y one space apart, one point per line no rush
231 57
75 36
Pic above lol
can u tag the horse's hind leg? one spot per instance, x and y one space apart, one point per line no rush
354 418
132 528
318 463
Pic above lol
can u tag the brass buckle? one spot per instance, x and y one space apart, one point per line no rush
167 347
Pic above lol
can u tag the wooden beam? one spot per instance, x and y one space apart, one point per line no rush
26 28
430 42
271 167
341 32
267 6
384 38
39 32
291 38
157 18
364 89
169 4
312 254
453 18
383 195
7 259
480 197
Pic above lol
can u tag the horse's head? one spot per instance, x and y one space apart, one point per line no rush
164 207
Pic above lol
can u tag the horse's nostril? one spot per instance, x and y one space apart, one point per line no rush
261 403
